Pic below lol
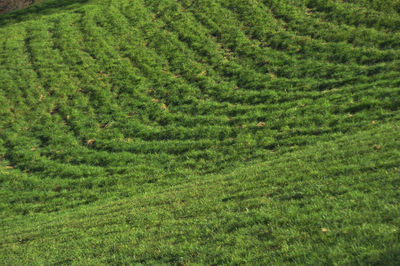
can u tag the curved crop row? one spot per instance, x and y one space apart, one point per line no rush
108 96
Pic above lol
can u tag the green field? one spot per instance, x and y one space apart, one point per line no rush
260 132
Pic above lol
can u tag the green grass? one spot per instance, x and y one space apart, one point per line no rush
329 203
211 132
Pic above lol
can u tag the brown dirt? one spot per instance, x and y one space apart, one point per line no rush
10 5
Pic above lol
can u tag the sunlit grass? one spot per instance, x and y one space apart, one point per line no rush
264 126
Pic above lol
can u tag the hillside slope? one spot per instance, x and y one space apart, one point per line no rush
109 102
330 203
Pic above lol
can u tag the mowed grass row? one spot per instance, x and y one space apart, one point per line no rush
200 132
327 203
101 98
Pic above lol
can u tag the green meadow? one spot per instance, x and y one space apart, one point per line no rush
192 132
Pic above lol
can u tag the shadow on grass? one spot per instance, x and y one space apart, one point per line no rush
36 10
